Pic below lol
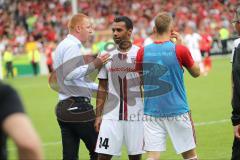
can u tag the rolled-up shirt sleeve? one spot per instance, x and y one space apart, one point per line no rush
74 65
93 86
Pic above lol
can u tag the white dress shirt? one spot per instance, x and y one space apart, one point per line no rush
71 70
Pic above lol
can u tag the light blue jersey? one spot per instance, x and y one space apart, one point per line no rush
164 91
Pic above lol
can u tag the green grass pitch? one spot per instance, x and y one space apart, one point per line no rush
209 98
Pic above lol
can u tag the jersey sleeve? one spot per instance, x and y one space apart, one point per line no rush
184 56
103 73
139 60
10 102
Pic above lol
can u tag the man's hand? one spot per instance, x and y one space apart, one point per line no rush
101 59
97 123
104 57
176 38
237 131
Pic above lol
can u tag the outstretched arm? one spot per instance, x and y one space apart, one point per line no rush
86 67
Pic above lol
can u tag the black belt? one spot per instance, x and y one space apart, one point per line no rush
75 109
80 99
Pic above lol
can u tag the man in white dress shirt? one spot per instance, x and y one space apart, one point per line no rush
74 111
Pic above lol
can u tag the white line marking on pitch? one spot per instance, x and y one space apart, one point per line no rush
52 143
211 122
196 124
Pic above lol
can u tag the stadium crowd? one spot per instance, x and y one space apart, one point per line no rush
23 22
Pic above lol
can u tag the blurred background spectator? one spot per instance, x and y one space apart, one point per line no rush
23 22
8 61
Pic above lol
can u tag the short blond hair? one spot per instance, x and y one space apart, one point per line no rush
76 19
162 22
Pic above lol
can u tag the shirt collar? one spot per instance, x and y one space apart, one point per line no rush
72 37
